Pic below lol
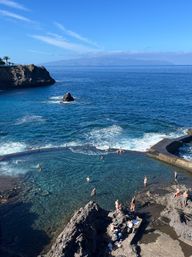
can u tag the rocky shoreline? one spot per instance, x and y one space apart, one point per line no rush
168 224
162 226
165 229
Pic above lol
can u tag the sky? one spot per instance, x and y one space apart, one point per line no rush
40 31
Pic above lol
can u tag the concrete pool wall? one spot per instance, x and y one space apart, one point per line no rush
167 149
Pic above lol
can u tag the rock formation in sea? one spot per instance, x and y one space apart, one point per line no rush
24 76
68 97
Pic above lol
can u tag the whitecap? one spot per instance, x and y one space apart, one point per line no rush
12 147
114 137
56 97
59 100
29 119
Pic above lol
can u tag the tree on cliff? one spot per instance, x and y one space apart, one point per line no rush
2 62
6 59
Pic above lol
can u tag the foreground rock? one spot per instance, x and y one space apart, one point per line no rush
68 98
163 246
169 224
180 217
24 76
83 234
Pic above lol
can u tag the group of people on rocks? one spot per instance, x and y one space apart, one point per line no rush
124 222
183 196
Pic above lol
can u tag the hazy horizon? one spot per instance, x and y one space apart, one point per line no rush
32 32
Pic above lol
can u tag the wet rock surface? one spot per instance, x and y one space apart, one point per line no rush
168 223
9 188
24 76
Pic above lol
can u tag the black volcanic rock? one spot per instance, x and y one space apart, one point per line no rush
68 98
82 235
24 76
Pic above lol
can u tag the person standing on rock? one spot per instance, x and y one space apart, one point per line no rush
145 181
185 198
117 205
133 204
176 176
93 192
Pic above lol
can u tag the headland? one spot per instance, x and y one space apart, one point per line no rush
24 76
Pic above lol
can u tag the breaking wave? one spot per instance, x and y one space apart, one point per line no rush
186 152
96 141
114 137
12 147
58 100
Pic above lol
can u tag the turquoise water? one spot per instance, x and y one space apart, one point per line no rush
130 108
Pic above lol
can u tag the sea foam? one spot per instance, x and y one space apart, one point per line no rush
29 119
114 137
12 147
10 169
186 152
59 100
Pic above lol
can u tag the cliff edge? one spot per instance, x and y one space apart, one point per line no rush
24 76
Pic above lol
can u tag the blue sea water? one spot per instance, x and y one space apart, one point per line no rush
121 107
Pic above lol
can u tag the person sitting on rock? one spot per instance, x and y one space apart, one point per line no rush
129 226
177 193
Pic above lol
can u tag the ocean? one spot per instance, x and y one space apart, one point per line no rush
131 108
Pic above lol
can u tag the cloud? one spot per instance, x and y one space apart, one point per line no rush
13 4
14 16
62 43
54 35
40 52
76 35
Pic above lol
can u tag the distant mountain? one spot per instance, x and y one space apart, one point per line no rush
108 60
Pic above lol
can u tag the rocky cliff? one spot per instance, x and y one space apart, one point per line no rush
83 234
23 76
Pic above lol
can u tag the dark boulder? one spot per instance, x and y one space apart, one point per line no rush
24 76
68 98
83 234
